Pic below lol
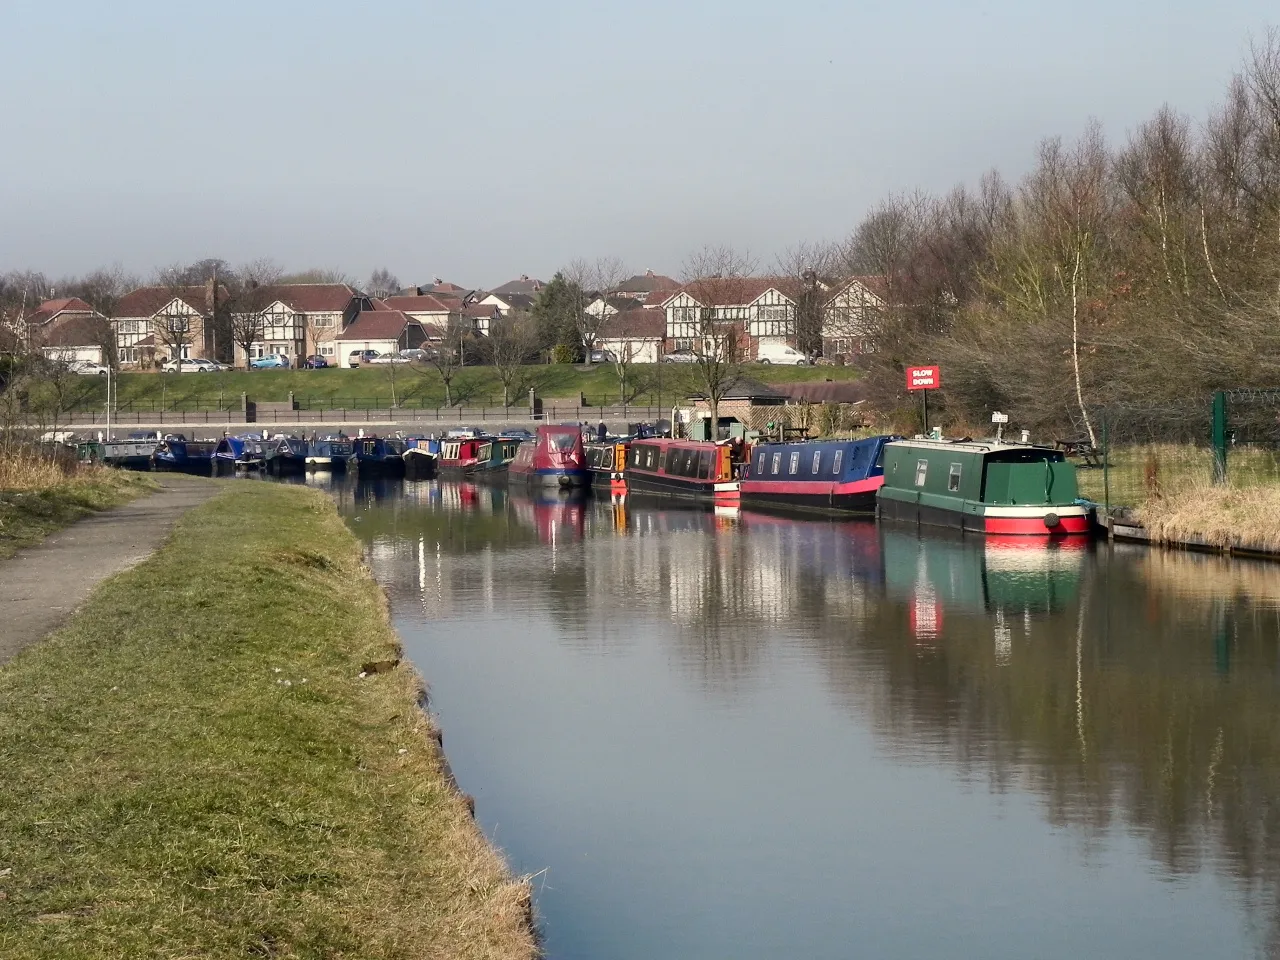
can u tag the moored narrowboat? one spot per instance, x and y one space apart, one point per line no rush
459 456
379 454
285 456
134 453
553 458
185 456
494 458
329 453
834 476
421 457
699 469
234 455
982 487
606 466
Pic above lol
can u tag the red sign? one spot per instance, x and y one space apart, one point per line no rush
923 378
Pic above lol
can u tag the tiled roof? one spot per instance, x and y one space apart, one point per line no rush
634 325
526 285
478 310
73 330
423 304
314 297
736 291
148 301
745 388
825 391
879 286
376 325
648 282
51 308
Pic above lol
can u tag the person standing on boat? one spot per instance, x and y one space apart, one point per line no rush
602 432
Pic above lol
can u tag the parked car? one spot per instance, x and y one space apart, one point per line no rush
316 362
680 356
269 361
781 353
357 357
87 368
198 365
603 356
418 355
388 358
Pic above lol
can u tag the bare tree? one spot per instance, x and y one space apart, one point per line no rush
102 290
512 339
172 326
252 291
382 284
591 279
713 277
810 267
445 356
319 275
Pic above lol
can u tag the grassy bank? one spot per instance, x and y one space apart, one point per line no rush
195 768
38 497
419 387
1221 516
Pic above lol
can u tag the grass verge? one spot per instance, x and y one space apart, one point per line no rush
193 767
1220 516
36 500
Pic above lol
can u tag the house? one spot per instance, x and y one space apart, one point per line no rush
298 319
635 336
646 287
68 329
507 302
386 331
525 285
850 314
610 306
758 310
427 309
480 316
154 323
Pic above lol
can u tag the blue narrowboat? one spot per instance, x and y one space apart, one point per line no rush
421 457
174 455
285 456
836 476
379 454
329 453
237 455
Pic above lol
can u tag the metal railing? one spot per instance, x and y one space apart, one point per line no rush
395 415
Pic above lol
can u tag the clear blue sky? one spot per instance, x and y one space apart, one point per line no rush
480 140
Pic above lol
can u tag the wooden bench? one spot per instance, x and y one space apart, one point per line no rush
1081 449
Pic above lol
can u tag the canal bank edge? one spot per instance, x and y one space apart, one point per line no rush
194 765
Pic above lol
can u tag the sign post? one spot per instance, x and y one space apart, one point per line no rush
924 379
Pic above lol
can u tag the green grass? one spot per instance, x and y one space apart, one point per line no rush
1137 473
29 515
193 767
417 387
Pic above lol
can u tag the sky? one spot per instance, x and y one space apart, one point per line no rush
481 140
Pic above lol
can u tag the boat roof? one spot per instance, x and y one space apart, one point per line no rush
973 446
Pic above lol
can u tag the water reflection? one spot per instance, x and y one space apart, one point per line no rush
1130 694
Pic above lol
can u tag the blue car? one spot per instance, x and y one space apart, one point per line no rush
268 362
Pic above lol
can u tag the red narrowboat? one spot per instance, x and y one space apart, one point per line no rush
683 468
553 458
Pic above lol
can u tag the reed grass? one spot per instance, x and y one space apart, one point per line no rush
195 766
1222 515
40 493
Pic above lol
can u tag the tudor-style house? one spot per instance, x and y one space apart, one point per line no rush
850 315
758 310
299 320
161 323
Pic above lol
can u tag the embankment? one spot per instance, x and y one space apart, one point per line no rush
194 766
37 498
1242 520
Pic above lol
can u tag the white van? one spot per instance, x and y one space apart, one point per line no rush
780 353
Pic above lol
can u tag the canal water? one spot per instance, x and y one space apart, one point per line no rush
743 736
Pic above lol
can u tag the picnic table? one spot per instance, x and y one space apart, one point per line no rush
1081 449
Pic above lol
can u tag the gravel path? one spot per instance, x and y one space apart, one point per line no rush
41 587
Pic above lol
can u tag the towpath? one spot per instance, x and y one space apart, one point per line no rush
42 586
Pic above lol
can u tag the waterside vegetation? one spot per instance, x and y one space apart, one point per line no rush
227 763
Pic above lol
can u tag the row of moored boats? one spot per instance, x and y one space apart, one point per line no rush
990 486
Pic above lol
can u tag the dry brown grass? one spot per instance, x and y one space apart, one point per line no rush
1219 516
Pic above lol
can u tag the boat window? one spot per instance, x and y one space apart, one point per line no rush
922 471
839 459
794 464
880 457
673 458
817 460
651 461
776 464
953 478
636 455
606 459
691 463
760 463
704 467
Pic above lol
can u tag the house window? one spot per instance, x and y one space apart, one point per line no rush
817 460
777 462
953 478
326 350
322 321
839 459
179 324
684 343
795 463
922 472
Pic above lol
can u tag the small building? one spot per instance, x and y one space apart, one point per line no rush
635 336
745 401
647 287
386 331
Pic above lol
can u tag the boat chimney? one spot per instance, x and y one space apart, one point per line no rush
1026 436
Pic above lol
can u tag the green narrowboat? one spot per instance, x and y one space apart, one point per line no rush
982 487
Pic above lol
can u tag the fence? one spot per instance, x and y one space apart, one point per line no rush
1143 452
387 415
